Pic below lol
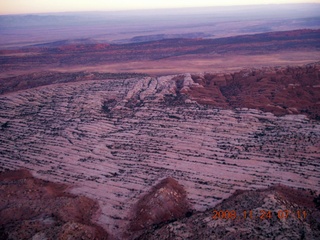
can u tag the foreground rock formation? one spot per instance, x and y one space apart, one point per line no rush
167 201
278 212
114 138
35 209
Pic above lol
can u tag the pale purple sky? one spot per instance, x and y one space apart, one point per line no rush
45 6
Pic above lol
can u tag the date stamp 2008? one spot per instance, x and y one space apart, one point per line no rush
262 214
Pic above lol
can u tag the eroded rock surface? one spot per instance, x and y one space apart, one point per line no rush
278 212
35 209
167 201
113 139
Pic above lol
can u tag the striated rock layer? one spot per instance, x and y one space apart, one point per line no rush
113 139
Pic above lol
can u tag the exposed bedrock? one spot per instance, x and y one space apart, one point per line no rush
31 208
113 139
167 201
274 213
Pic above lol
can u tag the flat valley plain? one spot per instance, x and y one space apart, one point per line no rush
112 116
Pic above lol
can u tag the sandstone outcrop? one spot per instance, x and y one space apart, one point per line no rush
114 137
167 201
31 208
274 213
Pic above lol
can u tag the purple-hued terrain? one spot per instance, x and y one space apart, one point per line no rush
156 132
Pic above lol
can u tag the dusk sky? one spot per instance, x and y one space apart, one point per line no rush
46 6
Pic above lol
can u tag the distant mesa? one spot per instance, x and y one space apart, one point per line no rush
80 41
157 37
75 45
142 52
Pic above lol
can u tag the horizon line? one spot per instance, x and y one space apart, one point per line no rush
157 9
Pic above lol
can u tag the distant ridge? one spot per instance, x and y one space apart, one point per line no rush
196 39
82 41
